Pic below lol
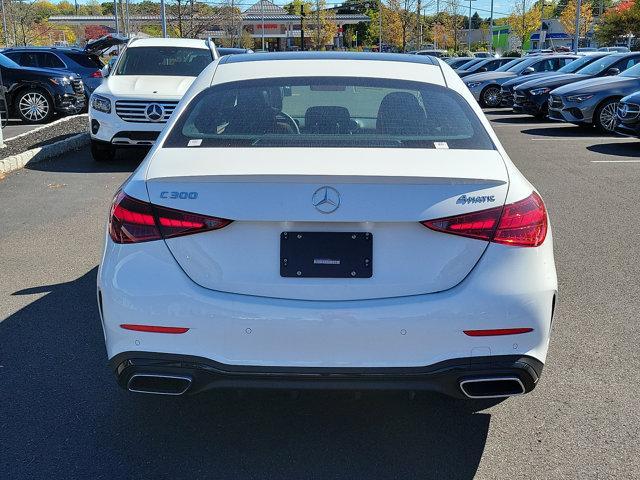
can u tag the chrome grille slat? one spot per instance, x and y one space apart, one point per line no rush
135 110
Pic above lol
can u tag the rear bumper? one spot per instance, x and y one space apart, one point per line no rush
508 288
443 377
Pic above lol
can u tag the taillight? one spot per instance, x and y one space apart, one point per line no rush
522 223
96 74
134 221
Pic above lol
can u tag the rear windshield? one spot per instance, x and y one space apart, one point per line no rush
172 61
329 112
84 60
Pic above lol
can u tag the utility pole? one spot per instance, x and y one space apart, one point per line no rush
524 7
577 35
469 28
302 27
163 18
76 4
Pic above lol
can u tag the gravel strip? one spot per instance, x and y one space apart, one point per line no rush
41 137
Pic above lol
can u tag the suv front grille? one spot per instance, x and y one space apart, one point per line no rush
136 111
78 86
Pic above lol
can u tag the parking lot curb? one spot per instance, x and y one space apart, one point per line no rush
36 155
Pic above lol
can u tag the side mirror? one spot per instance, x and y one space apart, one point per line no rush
528 70
613 71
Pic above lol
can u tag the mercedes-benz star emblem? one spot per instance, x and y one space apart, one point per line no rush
624 110
154 112
326 199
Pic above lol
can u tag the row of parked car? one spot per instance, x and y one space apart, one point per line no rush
39 82
600 89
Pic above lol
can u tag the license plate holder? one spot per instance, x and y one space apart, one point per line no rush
326 254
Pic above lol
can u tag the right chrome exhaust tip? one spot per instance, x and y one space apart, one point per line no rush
492 387
159 384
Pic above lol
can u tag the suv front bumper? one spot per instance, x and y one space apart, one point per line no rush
109 128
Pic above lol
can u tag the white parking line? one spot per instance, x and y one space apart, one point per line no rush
615 161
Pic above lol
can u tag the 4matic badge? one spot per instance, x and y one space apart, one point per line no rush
464 200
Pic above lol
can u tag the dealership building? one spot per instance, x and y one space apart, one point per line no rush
263 20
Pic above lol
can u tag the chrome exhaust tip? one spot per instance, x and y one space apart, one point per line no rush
159 384
492 387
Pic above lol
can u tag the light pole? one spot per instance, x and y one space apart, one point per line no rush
469 27
262 17
163 19
577 35
380 33
491 29
115 16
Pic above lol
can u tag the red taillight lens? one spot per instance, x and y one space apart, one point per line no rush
135 221
96 74
522 223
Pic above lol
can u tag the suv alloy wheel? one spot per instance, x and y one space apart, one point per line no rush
34 106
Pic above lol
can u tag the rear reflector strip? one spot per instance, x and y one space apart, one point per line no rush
154 328
496 332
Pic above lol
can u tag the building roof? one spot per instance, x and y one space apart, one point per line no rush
266 7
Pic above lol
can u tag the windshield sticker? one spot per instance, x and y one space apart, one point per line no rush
196 142
441 145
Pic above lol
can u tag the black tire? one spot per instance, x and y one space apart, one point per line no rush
34 105
490 97
605 115
102 152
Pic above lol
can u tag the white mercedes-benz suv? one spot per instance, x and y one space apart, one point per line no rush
141 91
328 220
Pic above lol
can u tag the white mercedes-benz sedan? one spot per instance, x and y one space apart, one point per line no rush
317 220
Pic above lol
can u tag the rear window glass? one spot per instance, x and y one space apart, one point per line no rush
84 60
173 61
329 112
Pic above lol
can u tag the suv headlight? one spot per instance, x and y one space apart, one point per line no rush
60 81
579 98
539 91
473 84
100 103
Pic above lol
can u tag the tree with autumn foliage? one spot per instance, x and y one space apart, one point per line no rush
622 20
568 18
524 20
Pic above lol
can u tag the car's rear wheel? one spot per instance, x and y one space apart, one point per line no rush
605 117
102 152
34 106
490 97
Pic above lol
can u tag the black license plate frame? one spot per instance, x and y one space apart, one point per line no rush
326 254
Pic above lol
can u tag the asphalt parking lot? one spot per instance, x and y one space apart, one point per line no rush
62 415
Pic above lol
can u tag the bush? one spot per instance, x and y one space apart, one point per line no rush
512 53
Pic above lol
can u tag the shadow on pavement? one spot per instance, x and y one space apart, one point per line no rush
618 149
64 417
567 131
81 161
527 119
